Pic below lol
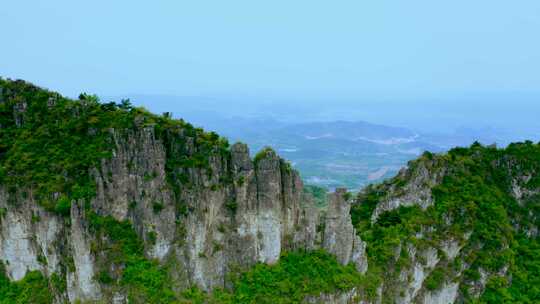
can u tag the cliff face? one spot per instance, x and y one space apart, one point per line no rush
197 221
458 227
109 203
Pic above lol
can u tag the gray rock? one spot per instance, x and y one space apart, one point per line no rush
240 214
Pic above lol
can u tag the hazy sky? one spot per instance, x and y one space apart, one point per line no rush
293 49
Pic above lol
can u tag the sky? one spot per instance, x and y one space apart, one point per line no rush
298 50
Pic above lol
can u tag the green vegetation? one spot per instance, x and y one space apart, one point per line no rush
145 280
436 279
474 197
231 205
34 288
63 205
265 152
157 207
296 276
151 237
49 143
319 195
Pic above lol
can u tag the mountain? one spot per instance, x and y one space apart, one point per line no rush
106 202
333 143
456 227
328 154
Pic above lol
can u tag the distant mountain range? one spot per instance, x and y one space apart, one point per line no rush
329 152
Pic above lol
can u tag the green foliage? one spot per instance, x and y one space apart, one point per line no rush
3 212
390 230
497 292
157 207
296 276
473 197
104 277
264 153
525 284
347 196
436 279
240 181
49 143
35 218
145 280
285 166
33 288
194 295
63 206
231 205
319 194
151 236
59 283
366 203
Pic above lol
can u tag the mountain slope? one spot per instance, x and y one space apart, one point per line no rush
110 203
457 227
107 202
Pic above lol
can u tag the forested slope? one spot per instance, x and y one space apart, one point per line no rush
108 203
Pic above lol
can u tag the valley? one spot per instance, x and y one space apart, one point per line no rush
107 202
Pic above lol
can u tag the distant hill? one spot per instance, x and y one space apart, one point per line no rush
104 202
329 145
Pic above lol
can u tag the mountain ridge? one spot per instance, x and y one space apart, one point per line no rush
118 204
108 202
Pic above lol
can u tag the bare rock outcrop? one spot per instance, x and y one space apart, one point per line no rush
339 236
234 213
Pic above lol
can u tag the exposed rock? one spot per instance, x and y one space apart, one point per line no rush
446 295
80 283
202 210
339 298
451 249
413 278
27 238
340 237
253 219
19 254
419 180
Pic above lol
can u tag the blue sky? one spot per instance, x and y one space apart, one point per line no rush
289 49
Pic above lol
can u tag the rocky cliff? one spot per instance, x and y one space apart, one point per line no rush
200 207
105 202
456 228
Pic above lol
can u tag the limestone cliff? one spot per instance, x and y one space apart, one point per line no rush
453 228
197 220
102 202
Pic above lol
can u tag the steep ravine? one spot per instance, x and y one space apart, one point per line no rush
107 203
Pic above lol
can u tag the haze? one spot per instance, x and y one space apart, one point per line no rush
419 64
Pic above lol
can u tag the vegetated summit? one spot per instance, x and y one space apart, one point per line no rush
106 202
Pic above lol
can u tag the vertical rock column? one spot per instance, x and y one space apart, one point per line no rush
339 236
269 199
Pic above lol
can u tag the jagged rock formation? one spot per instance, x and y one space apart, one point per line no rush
340 237
269 213
452 228
92 195
232 212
